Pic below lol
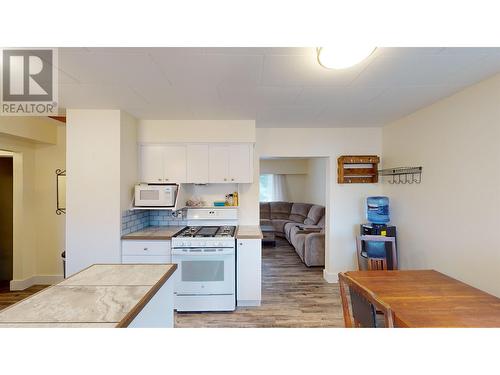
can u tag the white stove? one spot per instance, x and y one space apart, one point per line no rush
205 256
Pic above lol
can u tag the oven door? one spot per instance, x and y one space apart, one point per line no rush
204 271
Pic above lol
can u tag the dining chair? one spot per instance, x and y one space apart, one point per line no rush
377 263
360 309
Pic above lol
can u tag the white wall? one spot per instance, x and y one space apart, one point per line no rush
128 159
51 228
32 129
93 188
101 170
162 131
345 204
316 181
449 221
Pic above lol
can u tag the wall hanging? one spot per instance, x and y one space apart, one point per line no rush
357 169
61 191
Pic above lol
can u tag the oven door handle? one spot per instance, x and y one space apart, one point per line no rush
203 253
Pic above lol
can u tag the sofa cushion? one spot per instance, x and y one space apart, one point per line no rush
266 222
299 211
279 226
288 228
265 210
280 210
314 215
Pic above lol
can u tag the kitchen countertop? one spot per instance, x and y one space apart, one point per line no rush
249 232
154 233
103 295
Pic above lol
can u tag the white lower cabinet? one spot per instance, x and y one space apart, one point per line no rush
248 272
142 251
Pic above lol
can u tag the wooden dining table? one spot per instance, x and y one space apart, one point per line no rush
427 298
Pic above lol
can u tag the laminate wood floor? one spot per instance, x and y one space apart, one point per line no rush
293 295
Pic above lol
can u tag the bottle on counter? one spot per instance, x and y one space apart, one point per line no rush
235 199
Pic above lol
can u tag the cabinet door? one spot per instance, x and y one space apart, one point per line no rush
241 163
218 170
151 163
197 164
248 271
175 163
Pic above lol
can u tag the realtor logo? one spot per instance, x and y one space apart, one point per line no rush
28 82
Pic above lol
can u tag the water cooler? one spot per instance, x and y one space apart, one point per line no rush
377 213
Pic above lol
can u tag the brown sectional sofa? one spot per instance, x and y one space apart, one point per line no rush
302 224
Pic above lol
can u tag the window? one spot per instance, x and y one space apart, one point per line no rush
266 187
272 188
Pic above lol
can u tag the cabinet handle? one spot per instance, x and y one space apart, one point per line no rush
166 179
225 179
159 179
145 249
232 179
240 244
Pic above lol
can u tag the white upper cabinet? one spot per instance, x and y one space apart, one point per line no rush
162 164
197 164
241 163
231 163
151 163
218 170
174 163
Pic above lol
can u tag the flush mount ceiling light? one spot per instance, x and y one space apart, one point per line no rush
342 57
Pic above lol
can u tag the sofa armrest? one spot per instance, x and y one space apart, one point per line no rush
309 230
314 249
309 227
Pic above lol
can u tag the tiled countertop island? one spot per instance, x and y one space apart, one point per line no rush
118 295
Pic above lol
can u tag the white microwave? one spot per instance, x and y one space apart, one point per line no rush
155 195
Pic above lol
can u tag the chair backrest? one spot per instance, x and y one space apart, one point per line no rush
367 238
377 264
363 305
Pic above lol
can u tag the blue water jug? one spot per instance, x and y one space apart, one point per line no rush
377 210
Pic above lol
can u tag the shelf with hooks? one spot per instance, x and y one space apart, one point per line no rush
402 175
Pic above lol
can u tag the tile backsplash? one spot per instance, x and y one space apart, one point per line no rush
134 220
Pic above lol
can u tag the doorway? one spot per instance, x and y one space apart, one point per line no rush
6 218
293 206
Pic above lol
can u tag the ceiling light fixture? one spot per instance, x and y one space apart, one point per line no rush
342 57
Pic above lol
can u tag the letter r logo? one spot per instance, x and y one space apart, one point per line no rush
27 75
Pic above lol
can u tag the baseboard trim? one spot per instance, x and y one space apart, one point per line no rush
330 277
35 280
248 302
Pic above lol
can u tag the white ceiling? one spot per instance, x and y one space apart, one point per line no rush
278 87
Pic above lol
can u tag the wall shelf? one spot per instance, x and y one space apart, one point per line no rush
362 169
